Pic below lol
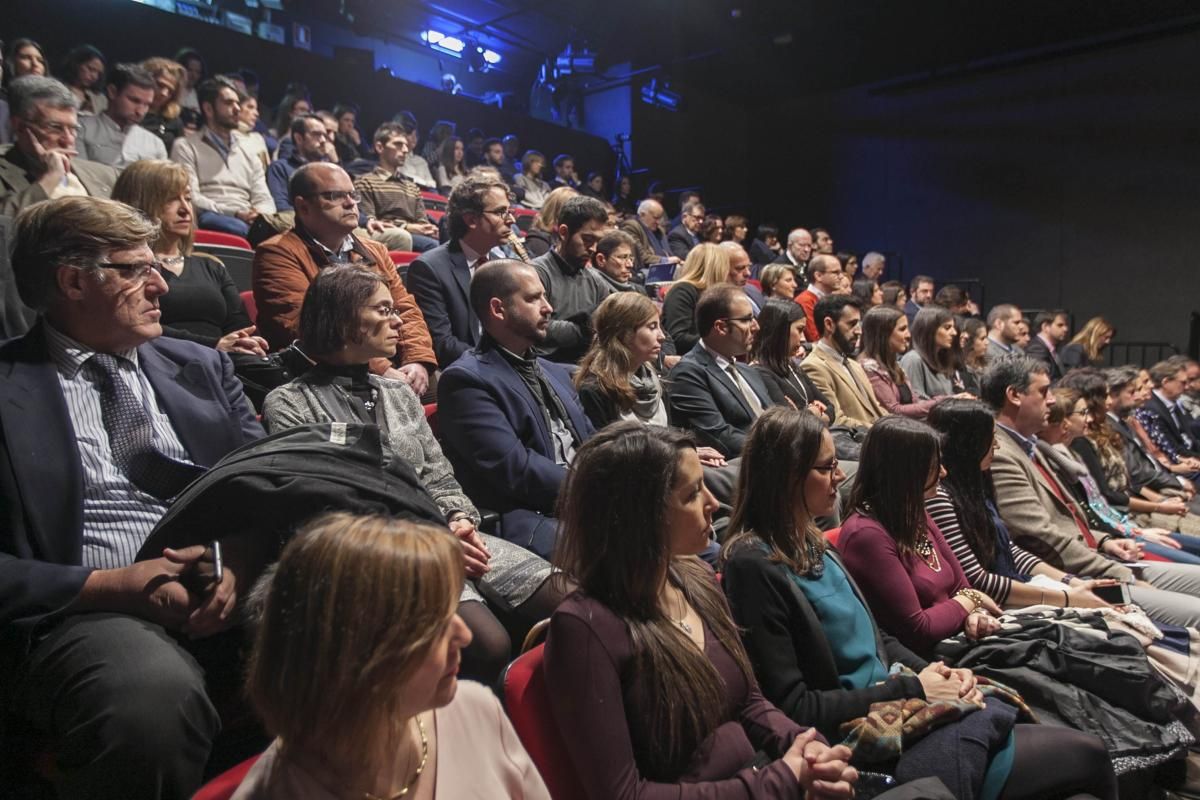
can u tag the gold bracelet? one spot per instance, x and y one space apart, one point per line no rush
974 595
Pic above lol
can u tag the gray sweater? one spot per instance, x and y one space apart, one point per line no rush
574 294
925 383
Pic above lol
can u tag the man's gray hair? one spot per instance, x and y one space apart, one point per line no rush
1117 378
1010 371
648 205
26 93
794 234
872 258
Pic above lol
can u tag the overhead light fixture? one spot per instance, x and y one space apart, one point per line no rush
661 95
455 46
450 45
570 62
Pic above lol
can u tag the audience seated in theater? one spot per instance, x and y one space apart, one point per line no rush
25 57
439 132
413 166
451 167
712 229
825 279
1022 334
707 265
820 656
573 290
973 343
193 65
1039 515
349 141
711 393
832 368
203 304
229 187
115 135
1002 322
777 345
1052 328
623 199
510 421
737 229
285 265
683 238
295 102
651 216
799 251
309 142
564 172
643 254
493 156
347 320
739 274
1086 349
82 71
530 179
41 163
593 186
822 242
920 295
479 218
873 266
849 263
391 200
955 300
163 117
894 294
765 248
964 510
367 604
1166 424
867 292
885 338
932 364
104 422
248 119
541 236
1068 419
778 282
644 656
614 260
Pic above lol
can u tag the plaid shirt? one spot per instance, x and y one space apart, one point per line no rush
390 197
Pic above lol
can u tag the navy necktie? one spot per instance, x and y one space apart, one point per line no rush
131 435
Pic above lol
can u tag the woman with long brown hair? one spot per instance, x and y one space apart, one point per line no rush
643 663
354 670
932 364
885 338
1087 348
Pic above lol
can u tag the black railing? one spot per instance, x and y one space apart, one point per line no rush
1141 354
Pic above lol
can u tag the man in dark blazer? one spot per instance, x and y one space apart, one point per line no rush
1051 327
101 423
1166 423
685 236
711 393
478 215
510 422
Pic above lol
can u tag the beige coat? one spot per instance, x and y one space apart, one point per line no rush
854 406
19 190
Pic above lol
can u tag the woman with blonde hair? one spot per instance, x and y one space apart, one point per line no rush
778 280
203 304
1087 348
530 179
354 671
707 265
540 237
163 117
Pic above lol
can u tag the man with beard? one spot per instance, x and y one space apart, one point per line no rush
510 422
479 218
831 365
115 136
229 186
573 290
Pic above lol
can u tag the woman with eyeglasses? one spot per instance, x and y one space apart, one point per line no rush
643 664
347 319
817 650
203 304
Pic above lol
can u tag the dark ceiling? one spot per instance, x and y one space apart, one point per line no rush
761 50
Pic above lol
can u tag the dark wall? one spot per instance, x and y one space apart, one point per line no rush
127 31
1068 183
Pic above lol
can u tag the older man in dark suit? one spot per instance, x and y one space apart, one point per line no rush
511 422
711 393
686 234
101 424
478 215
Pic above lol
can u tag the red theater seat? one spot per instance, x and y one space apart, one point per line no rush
225 239
402 257
527 703
251 306
224 785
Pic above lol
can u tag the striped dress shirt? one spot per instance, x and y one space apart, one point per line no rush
117 516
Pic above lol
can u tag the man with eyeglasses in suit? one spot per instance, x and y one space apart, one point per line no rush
327 214
42 163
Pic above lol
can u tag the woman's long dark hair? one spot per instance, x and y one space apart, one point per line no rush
968 431
614 542
877 327
894 466
924 339
780 451
775 333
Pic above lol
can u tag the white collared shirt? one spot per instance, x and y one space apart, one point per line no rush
103 141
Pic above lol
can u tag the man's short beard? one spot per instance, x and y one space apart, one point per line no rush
843 344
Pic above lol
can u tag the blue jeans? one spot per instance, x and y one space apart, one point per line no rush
422 243
1189 553
212 221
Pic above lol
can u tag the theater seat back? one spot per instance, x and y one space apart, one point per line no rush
224 785
527 702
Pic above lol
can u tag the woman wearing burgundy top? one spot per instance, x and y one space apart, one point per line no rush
644 666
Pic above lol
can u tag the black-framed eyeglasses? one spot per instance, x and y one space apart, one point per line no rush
138 271
387 310
829 468
747 318
502 213
338 196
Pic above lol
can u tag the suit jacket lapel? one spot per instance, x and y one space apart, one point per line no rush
186 397
461 271
710 364
506 373
42 449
